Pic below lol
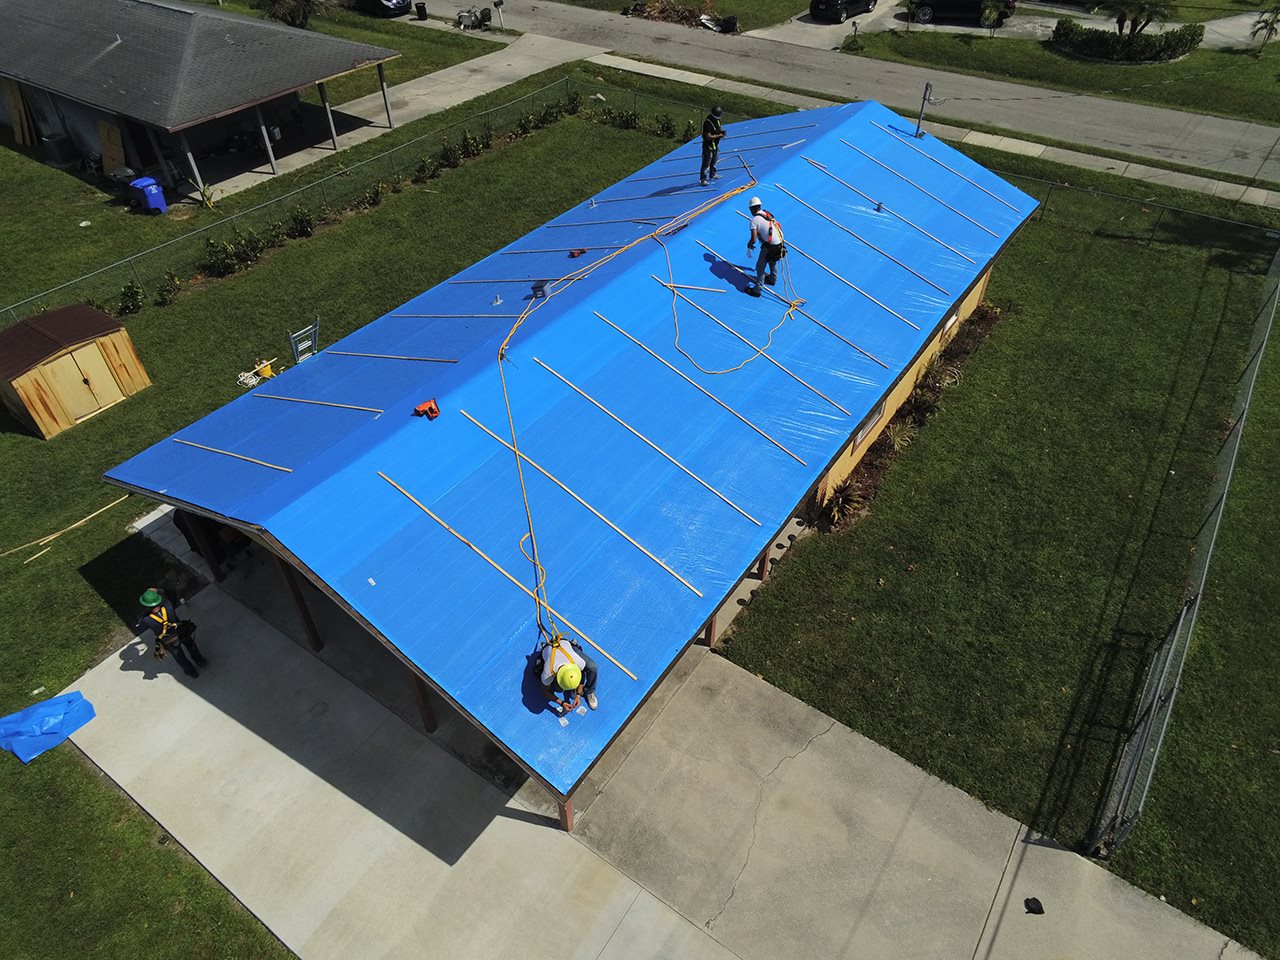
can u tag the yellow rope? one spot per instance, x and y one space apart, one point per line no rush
539 593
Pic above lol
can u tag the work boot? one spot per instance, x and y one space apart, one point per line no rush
592 702
771 279
702 182
753 291
192 673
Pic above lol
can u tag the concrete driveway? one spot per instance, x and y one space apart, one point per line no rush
730 820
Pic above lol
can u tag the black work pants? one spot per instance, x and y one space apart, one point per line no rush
709 157
180 648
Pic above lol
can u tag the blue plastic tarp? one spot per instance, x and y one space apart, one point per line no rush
653 406
42 726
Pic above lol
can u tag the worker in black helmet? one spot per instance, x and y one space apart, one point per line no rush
712 134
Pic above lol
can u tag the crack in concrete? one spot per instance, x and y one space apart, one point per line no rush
1223 952
755 819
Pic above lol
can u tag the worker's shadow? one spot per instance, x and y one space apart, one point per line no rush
727 272
139 657
531 685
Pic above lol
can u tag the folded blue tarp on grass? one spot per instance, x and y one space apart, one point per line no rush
42 726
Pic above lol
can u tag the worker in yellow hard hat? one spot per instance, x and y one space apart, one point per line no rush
568 675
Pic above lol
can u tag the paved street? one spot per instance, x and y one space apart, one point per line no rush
1228 146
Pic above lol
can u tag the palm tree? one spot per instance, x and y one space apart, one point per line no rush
1137 14
1266 26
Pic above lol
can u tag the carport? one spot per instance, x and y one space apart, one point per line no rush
155 81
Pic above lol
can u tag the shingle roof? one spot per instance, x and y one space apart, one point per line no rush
167 64
29 343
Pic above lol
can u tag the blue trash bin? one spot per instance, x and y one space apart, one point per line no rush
149 195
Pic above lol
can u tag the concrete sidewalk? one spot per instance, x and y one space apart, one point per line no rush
731 821
1229 146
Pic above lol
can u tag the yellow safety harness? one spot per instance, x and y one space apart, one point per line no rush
166 625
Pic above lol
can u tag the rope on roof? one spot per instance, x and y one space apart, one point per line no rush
493 563
238 456
760 351
863 239
614 527
617 419
807 316
701 389
881 205
931 196
927 154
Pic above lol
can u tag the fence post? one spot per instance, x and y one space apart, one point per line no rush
1044 207
1156 225
134 267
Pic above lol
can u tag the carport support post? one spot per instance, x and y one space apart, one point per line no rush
386 101
191 159
300 603
266 140
566 813
328 112
155 148
201 537
424 705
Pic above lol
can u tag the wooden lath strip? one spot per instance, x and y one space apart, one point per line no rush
732 153
700 388
493 563
851 284
759 350
636 433
238 456
319 403
612 246
593 223
927 155
859 237
386 356
600 516
931 196
807 316
881 205
456 316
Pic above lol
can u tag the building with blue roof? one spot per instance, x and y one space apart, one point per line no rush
667 425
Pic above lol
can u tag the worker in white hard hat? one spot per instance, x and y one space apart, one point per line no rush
568 675
765 229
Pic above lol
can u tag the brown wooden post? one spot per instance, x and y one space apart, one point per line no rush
427 714
201 536
708 637
762 568
566 814
300 603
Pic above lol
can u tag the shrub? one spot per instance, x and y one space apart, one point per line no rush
450 154
550 113
526 123
897 436
374 193
243 249
573 102
131 298
167 292
622 119
665 126
274 234
470 144
486 136
845 502
302 223
327 214
1073 38
428 169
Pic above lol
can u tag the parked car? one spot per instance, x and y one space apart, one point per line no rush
929 10
838 11
386 8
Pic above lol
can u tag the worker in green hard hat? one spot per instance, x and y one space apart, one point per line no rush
172 635
568 675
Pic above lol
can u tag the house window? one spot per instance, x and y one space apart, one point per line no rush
951 322
865 430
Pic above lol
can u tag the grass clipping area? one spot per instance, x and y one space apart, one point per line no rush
990 618
1227 83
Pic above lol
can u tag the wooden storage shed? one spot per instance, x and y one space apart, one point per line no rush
61 367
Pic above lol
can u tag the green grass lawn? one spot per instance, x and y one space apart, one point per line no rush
751 14
82 869
1220 82
1213 10
990 619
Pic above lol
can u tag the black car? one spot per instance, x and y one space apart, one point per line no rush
838 11
385 8
929 10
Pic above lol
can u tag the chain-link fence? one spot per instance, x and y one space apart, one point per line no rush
350 187
1132 775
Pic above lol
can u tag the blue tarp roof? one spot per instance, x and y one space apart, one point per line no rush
886 233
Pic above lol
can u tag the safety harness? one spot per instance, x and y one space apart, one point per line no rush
775 250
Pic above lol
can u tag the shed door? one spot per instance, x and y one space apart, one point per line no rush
93 367
70 386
